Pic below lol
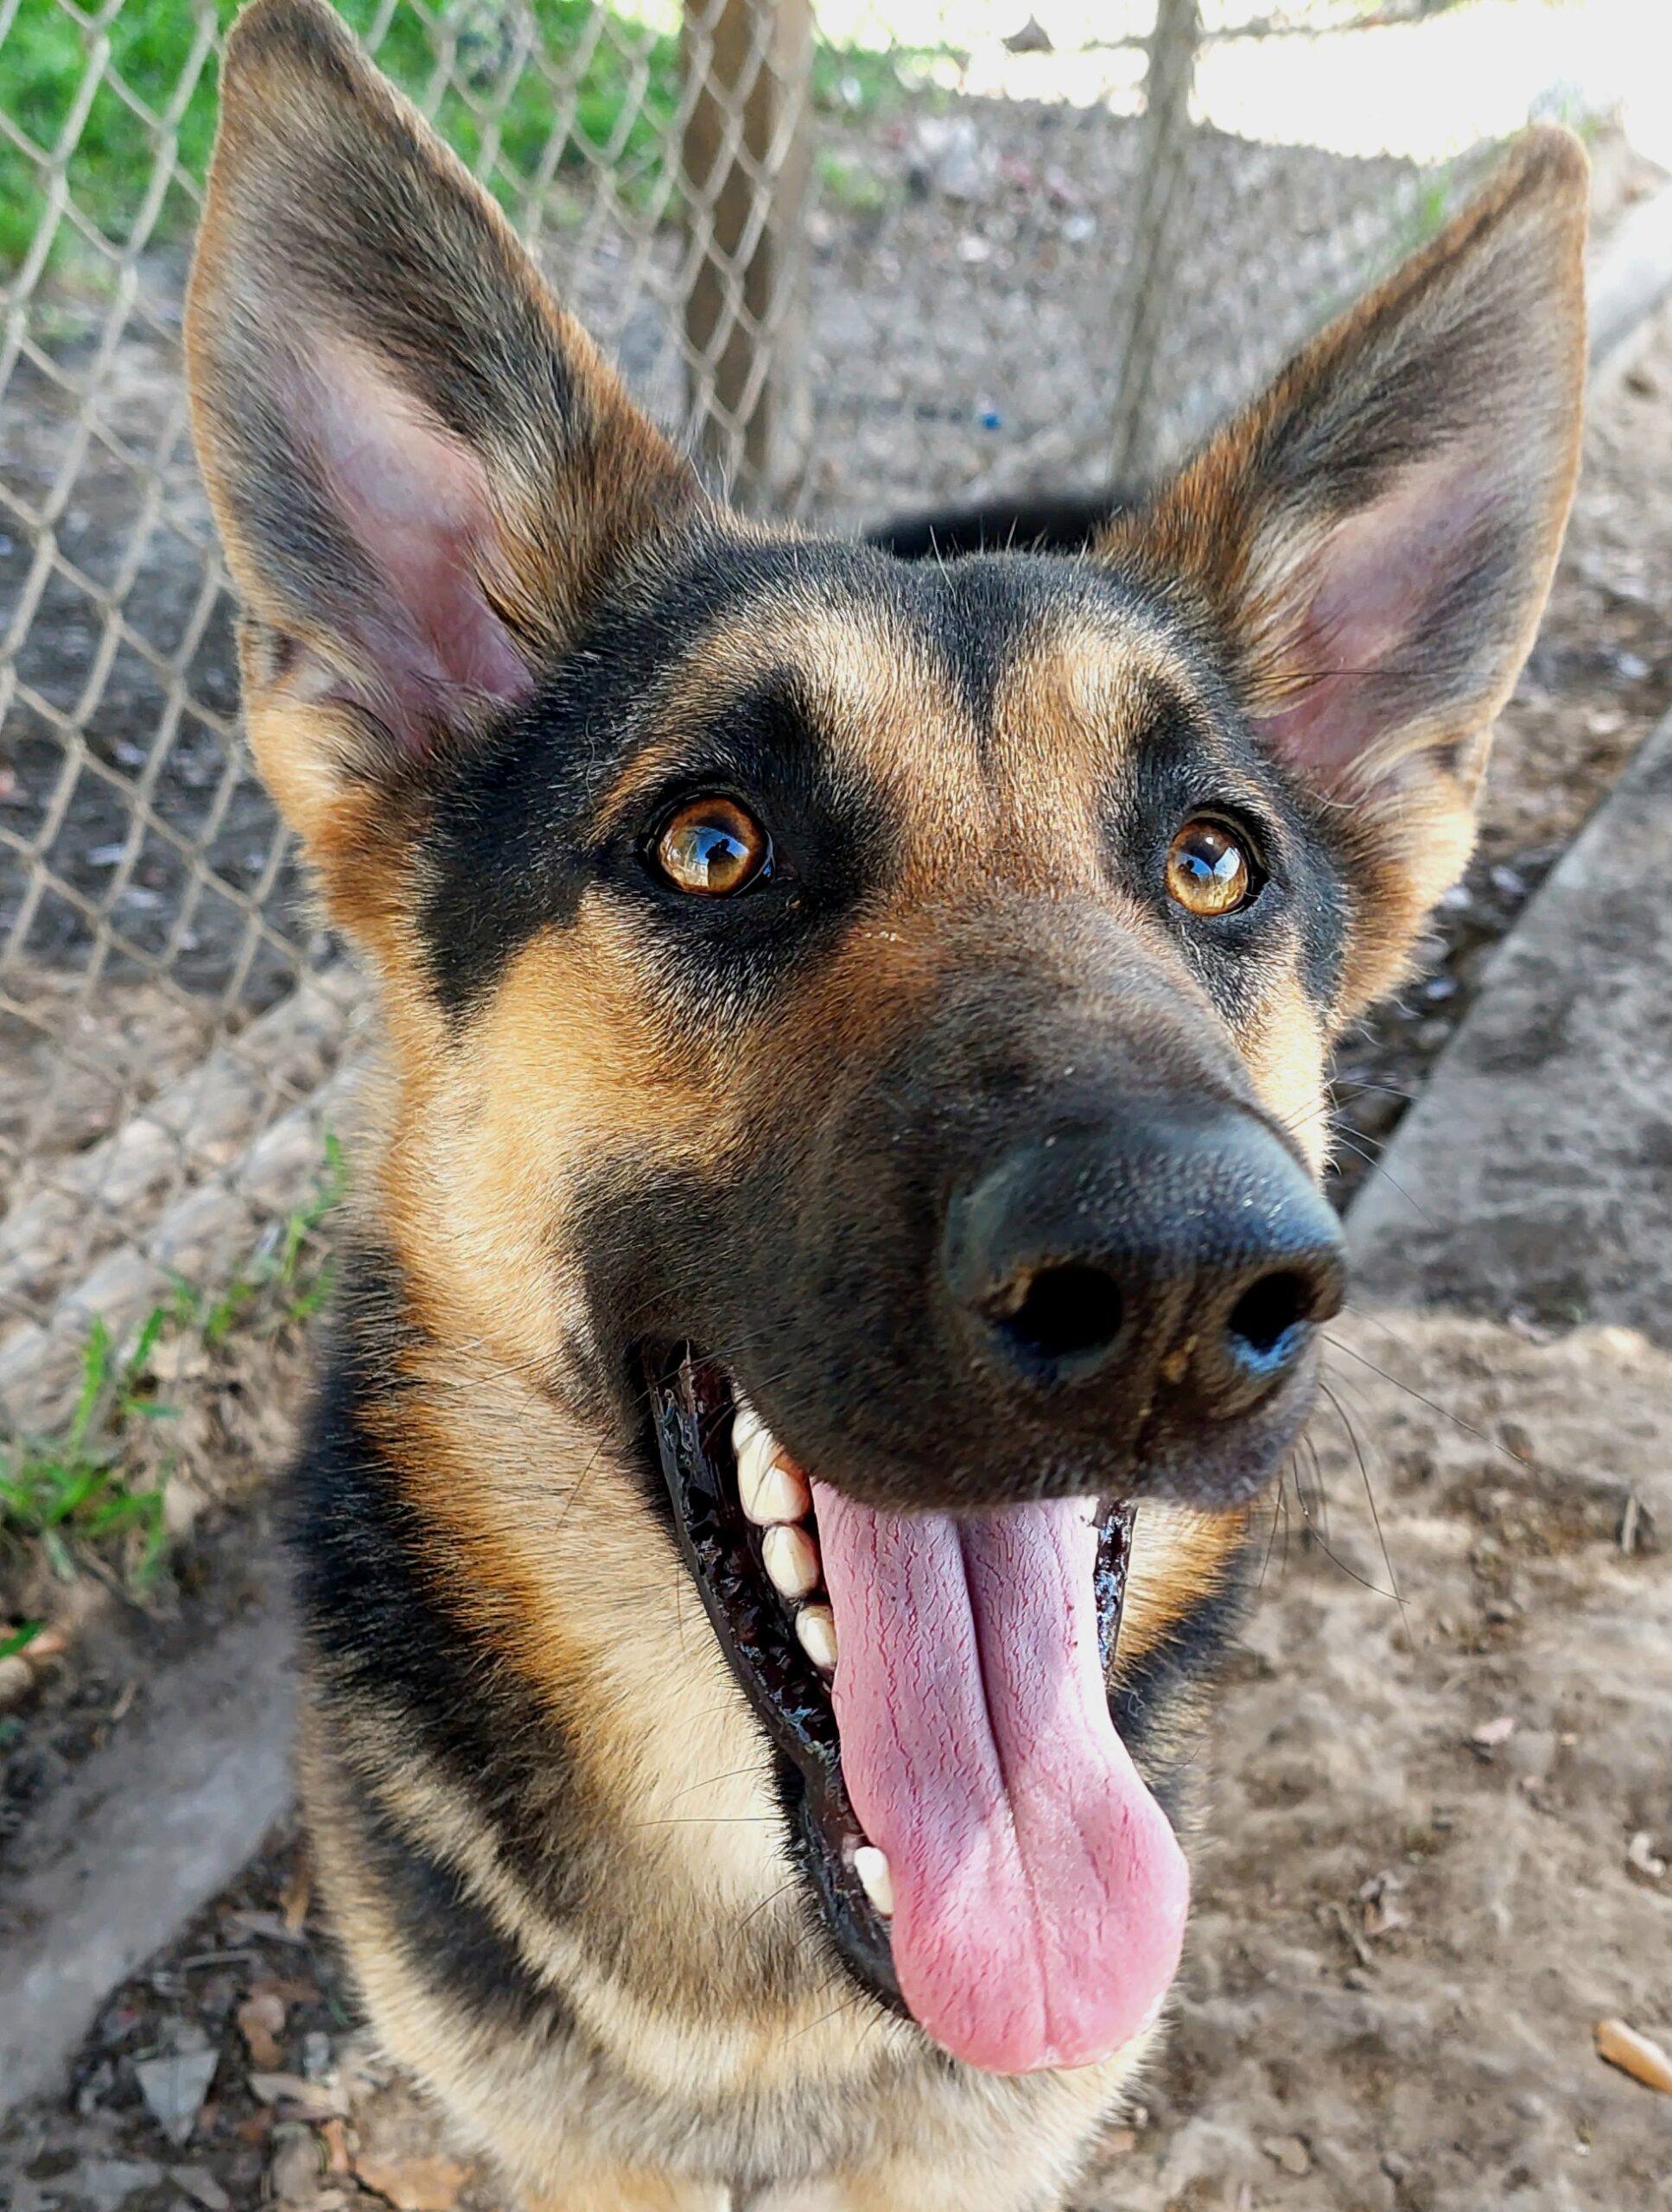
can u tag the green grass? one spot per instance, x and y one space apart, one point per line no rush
626 83
70 1489
625 76
73 1494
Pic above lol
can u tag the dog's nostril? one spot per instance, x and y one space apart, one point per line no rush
1065 1314
1263 1319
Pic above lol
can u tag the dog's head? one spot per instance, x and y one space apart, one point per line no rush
885 1003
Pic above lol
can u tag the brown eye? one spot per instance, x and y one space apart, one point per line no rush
1207 871
713 848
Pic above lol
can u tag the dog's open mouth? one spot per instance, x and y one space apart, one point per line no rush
984 1849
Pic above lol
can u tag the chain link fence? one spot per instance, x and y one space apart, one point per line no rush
862 255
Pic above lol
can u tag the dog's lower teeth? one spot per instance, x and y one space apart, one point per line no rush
791 1559
816 1630
876 1878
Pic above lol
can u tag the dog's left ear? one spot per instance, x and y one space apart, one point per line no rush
425 476
1372 542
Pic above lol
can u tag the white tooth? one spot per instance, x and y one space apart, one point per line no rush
815 1627
755 1455
876 1878
745 1423
770 1487
791 1559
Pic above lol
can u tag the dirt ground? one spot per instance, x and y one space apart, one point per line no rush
1437 1860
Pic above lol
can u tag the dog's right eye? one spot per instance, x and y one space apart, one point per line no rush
1208 871
712 848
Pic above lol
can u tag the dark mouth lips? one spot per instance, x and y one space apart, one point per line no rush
692 1407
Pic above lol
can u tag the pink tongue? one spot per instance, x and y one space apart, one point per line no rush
1039 1893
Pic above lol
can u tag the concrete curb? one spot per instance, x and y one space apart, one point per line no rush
146 1831
1535 1173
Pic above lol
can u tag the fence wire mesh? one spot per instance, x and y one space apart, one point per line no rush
862 255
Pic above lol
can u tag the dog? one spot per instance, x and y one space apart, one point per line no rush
844 1254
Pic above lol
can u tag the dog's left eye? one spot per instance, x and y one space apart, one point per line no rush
713 848
1208 871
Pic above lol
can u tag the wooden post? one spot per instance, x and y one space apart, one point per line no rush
1140 322
748 77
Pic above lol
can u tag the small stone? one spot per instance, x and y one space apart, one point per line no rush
294 2172
1490 1733
103 2184
948 156
1290 2152
1640 1852
201 2185
173 2088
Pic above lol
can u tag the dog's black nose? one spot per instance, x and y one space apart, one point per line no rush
1185 1254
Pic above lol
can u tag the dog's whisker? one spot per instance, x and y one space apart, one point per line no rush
1376 1514
1466 1429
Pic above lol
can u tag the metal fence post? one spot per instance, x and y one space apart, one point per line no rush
744 163
1141 303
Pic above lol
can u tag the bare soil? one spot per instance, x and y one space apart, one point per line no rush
1437 1856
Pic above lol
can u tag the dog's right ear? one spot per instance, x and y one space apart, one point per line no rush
423 472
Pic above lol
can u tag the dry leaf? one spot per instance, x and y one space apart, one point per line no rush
293 1901
1634 2053
261 2021
415 2185
335 2136
311 2099
265 1927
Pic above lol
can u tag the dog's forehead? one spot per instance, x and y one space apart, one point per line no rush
998 688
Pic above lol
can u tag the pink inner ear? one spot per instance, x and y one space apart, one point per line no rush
417 504
1371 591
